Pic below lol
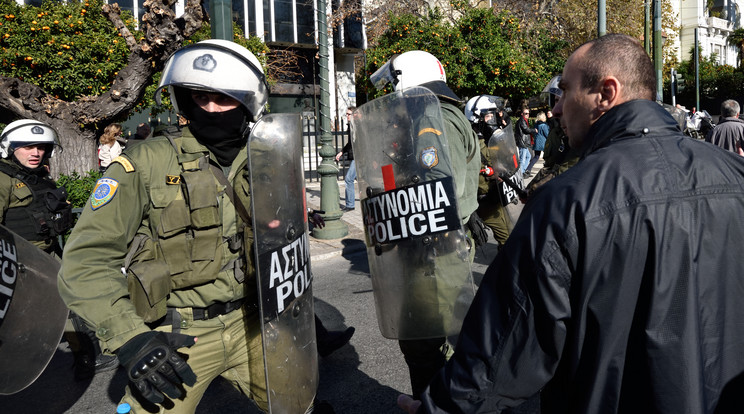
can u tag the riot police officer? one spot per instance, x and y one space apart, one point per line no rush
35 209
558 155
437 144
171 210
32 205
486 115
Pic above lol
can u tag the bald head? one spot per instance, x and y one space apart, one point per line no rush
620 56
598 76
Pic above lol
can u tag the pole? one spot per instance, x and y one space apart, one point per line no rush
647 27
658 59
673 87
696 57
220 13
601 18
329 194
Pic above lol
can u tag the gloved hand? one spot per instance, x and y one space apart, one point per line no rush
154 367
314 217
477 230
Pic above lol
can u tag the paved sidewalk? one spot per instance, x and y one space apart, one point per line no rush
352 242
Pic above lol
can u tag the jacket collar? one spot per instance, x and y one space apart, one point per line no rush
730 119
632 119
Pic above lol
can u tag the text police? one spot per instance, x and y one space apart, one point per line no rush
411 211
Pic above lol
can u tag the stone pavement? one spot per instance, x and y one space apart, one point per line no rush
354 241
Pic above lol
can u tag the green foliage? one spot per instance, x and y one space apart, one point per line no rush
69 49
79 187
717 82
482 53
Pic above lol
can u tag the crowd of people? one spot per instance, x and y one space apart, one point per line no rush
615 291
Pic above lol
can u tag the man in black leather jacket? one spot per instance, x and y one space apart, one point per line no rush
523 135
620 288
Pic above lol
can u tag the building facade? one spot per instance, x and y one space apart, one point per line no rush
714 24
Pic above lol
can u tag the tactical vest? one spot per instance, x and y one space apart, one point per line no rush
47 216
183 244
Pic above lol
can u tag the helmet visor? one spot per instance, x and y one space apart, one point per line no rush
386 74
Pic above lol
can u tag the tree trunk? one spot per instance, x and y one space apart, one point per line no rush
79 151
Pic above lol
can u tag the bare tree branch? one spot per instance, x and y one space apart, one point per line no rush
113 13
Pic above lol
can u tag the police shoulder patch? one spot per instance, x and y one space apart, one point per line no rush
429 157
128 167
432 130
103 192
20 184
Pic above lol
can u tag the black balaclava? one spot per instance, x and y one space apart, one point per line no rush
487 129
224 133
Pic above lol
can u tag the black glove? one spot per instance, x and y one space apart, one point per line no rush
477 229
314 217
154 367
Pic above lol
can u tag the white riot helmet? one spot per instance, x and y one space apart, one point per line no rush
478 106
25 132
409 69
551 93
414 68
221 66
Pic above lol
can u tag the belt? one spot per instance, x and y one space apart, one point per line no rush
173 318
216 309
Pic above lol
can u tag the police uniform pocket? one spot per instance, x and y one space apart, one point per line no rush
20 193
201 190
149 286
174 218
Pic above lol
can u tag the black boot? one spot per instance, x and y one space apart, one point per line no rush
329 341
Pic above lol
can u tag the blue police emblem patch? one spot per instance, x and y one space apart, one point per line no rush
429 157
103 192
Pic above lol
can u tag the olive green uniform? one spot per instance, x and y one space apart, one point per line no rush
558 156
425 357
465 156
14 193
490 209
173 207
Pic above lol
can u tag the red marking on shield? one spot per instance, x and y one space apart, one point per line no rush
388 178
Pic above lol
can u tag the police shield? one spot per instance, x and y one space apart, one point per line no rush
504 154
32 314
283 262
417 248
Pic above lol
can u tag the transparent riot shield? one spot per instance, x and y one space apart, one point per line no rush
283 262
417 248
504 154
32 314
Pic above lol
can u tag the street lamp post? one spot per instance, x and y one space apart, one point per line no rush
220 13
658 58
329 194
